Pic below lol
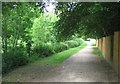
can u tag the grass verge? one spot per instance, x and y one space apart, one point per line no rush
60 57
93 44
106 63
97 52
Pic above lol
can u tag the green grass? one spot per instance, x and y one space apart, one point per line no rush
97 52
93 44
60 57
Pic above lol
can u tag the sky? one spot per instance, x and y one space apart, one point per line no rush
49 5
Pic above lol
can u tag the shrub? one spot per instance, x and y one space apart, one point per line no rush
43 50
58 47
47 49
13 59
79 40
72 43
64 46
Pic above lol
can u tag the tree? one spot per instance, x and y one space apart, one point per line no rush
42 31
91 19
17 20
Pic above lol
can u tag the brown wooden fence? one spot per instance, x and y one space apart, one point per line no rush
110 47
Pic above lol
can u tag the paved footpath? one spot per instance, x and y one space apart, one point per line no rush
81 67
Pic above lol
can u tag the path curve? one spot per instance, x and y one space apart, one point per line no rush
81 67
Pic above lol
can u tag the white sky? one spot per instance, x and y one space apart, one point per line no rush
49 6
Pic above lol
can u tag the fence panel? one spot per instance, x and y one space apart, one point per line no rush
119 52
108 50
103 46
116 51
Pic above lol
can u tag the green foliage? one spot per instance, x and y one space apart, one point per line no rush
93 44
42 31
90 19
13 59
97 52
49 49
74 43
17 20
60 57
26 30
43 37
43 50
58 47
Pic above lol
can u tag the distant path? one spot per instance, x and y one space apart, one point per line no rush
81 67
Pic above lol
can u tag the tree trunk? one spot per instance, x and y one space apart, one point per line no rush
5 33
16 36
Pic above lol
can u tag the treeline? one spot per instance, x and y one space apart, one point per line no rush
28 33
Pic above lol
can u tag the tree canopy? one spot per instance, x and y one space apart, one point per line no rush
91 19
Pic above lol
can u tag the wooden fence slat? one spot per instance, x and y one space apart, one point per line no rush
116 51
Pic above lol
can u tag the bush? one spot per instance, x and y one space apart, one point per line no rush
51 48
72 43
79 41
64 46
13 59
58 47
43 50
18 57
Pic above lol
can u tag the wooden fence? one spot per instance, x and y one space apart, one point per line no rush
110 47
